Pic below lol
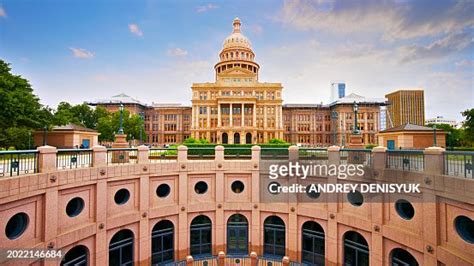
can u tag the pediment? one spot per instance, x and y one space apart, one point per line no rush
237 72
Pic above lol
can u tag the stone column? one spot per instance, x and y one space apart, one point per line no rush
230 115
293 153
253 258
285 261
242 117
219 153
193 115
99 156
254 122
182 154
218 115
142 156
332 230
47 159
189 260
379 155
264 117
208 109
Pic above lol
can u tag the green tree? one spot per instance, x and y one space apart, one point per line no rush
108 125
21 111
468 127
277 141
453 134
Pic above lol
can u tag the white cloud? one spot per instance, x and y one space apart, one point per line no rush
465 63
3 13
393 19
134 29
201 9
81 53
178 52
256 29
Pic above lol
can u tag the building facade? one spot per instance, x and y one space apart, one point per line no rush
237 108
338 90
405 107
441 120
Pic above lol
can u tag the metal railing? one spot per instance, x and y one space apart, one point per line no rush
201 153
162 154
458 163
73 158
233 153
406 160
237 260
14 163
314 154
269 153
205 261
174 263
355 156
269 261
122 155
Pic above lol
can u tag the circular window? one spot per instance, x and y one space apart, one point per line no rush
274 187
200 187
405 209
163 190
17 225
237 186
355 198
311 193
74 207
465 228
122 196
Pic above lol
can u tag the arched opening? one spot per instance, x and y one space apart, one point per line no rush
313 243
121 248
76 256
162 242
225 138
248 138
274 239
237 234
201 236
236 138
356 249
401 257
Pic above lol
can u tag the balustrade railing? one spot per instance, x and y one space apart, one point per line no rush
162 154
459 163
73 158
196 153
232 153
406 160
314 154
270 153
355 156
14 163
122 155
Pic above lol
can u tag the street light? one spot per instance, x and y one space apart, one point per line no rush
334 116
434 136
120 131
356 126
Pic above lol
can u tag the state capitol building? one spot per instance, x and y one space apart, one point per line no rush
239 109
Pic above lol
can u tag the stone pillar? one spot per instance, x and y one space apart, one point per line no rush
434 161
221 258
379 155
334 156
254 122
47 159
193 115
142 155
219 153
242 120
189 260
208 109
264 117
218 115
99 156
230 115
253 258
285 261
182 154
332 230
293 153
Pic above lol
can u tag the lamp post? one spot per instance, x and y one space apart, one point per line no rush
120 131
334 116
45 135
434 136
356 126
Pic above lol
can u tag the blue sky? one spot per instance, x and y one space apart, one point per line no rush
154 50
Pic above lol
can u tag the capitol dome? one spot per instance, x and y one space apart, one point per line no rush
237 39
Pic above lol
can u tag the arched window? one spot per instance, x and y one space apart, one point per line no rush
274 237
201 236
225 138
162 242
76 256
313 243
248 138
237 234
356 249
121 248
401 257
236 138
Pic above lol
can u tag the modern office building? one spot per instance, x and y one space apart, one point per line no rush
238 108
441 120
405 107
338 90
